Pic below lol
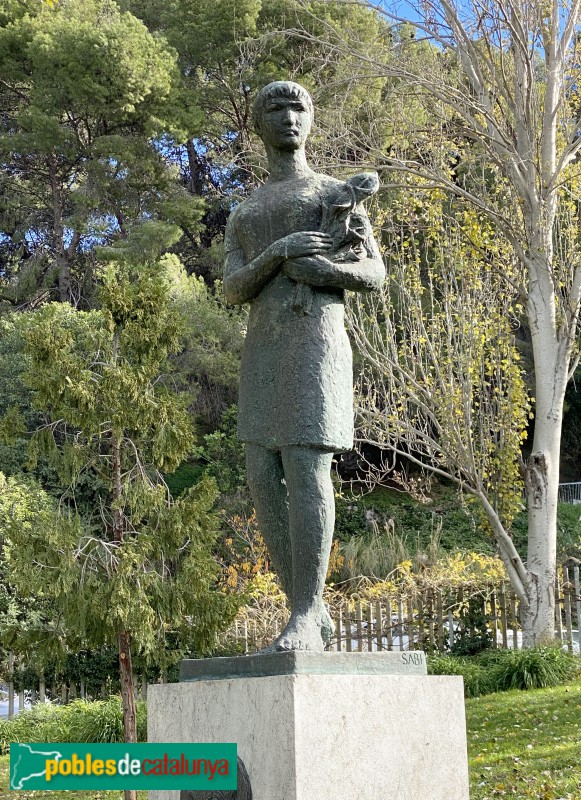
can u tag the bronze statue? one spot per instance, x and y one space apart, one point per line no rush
292 249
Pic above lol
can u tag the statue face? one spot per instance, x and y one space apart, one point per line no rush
285 123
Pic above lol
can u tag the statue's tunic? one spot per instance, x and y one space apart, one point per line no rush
296 385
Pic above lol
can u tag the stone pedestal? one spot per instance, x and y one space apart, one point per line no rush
330 726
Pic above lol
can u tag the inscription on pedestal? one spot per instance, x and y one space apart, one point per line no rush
295 662
414 658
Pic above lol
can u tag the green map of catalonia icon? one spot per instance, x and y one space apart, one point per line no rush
16 779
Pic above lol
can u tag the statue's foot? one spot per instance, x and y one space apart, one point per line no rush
303 632
326 629
270 648
326 624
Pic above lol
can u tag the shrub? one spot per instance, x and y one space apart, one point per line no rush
535 668
476 676
80 721
501 670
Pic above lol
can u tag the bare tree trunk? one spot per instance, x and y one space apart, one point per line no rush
127 687
127 696
11 685
542 470
542 488
123 637
538 615
21 692
196 185
62 259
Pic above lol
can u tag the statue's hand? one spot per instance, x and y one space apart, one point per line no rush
307 270
302 243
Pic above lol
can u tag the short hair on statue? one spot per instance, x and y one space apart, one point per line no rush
286 89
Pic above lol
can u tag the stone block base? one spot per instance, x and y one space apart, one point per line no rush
326 736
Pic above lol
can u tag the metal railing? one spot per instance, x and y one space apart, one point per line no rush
570 493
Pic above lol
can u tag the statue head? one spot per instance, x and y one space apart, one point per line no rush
283 114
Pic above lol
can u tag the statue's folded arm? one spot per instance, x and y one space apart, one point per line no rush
365 275
243 282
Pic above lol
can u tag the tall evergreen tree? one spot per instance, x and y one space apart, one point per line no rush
140 566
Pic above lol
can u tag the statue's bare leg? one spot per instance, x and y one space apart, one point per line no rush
268 487
265 475
311 504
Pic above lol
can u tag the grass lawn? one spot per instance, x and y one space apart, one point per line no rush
526 744
521 745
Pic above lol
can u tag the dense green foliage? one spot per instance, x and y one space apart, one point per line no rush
503 670
85 87
132 566
80 721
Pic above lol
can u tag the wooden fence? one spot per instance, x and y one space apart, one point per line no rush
459 620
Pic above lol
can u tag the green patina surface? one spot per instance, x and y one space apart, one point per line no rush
292 250
296 662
